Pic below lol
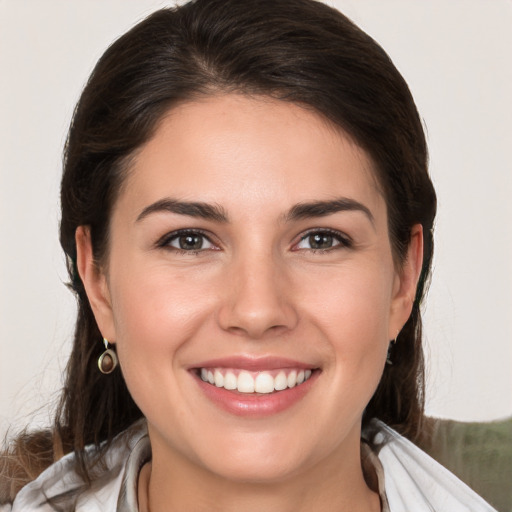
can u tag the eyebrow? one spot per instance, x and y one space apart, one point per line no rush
218 214
324 208
192 209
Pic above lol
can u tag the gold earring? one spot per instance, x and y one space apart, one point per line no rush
107 362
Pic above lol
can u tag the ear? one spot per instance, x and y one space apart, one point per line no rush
95 283
406 282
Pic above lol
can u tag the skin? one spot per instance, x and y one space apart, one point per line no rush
256 288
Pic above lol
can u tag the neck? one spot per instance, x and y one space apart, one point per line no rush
335 484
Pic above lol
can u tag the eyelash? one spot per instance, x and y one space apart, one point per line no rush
343 241
165 241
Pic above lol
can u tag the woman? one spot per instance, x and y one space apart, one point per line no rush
247 216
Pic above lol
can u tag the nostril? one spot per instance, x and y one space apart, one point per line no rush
256 332
257 320
258 301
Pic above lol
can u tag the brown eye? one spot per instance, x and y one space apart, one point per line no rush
323 241
187 241
320 241
190 242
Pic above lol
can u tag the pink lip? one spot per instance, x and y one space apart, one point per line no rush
254 364
254 405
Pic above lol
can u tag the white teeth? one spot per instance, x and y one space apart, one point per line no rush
254 382
245 382
230 381
219 379
280 382
264 383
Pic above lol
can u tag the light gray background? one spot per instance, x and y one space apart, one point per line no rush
456 57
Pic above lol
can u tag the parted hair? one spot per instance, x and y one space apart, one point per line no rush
298 51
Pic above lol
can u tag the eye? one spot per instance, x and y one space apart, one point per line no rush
187 241
322 240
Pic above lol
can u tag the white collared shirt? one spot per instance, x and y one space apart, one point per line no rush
409 480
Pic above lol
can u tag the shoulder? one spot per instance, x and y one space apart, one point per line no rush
114 479
414 479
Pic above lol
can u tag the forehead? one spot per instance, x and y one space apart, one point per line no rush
234 148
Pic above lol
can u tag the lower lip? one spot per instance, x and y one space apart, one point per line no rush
256 405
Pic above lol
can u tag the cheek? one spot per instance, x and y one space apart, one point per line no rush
353 313
355 299
156 312
155 300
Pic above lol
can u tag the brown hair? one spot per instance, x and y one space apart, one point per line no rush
299 51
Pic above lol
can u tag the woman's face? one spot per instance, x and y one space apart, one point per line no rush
249 248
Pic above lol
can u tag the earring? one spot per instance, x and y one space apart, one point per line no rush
107 362
389 361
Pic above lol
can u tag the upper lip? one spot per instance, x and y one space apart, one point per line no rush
253 363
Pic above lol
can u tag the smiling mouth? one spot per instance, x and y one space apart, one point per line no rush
247 382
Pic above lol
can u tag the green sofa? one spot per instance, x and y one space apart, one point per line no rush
480 454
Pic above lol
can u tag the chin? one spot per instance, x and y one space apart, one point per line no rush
256 459
256 470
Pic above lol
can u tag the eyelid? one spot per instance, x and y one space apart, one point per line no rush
164 241
344 240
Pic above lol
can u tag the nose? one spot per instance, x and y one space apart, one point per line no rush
258 298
